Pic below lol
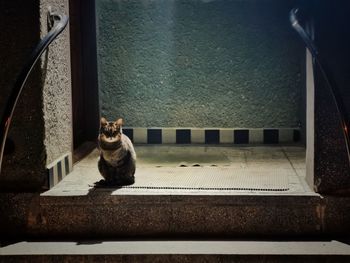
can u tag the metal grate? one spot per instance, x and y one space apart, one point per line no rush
212 178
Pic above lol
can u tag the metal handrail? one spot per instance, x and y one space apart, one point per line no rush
58 24
317 60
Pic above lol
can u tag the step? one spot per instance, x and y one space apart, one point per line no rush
177 251
223 169
102 215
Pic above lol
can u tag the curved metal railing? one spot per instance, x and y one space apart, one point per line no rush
317 61
57 23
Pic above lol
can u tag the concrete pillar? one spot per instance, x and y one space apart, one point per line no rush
41 127
327 165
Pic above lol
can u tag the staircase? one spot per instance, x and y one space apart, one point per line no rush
100 227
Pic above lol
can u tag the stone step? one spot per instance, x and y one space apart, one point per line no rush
176 251
102 215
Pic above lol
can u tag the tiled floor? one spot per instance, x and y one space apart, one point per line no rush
156 161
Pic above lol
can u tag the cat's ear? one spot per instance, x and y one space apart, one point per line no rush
103 122
119 122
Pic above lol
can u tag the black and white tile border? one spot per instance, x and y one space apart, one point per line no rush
212 135
58 169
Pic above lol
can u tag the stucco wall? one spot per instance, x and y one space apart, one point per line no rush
40 127
199 63
57 98
332 39
20 32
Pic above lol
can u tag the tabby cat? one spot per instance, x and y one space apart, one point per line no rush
117 163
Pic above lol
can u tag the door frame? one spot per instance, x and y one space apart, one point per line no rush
85 95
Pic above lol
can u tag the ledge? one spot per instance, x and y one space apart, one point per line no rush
101 247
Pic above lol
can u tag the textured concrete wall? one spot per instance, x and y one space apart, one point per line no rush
40 128
57 98
331 161
20 32
199 63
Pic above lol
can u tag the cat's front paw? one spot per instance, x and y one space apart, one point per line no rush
101 183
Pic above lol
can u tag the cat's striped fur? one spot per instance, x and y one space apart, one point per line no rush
117 163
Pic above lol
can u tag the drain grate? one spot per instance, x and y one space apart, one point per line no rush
212 178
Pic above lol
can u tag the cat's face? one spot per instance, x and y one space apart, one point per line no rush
110 132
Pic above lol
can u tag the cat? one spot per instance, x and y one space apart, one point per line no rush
117 162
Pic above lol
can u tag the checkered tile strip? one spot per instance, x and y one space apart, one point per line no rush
58 169
212 135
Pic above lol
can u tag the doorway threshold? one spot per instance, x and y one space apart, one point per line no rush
199 170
